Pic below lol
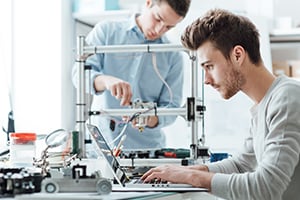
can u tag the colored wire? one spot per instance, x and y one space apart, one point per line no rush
161 78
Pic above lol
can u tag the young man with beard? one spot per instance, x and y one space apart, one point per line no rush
268 167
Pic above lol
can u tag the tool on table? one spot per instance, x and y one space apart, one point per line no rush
118 149
172 153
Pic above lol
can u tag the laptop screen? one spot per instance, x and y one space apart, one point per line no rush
103 148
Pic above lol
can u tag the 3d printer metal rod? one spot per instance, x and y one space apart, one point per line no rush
81 105
145 112
84 51
194 92
134 48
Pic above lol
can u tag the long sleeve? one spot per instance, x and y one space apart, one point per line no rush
275 133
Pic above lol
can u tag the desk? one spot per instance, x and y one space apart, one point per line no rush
100 164
118 195
94 164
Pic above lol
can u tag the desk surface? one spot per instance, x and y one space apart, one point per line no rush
100 164
119 195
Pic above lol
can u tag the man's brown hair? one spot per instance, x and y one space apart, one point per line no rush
181 7
224 30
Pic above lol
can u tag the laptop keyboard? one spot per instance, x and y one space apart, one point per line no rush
137 181
140 181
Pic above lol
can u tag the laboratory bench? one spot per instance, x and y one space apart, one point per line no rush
100 164
119 195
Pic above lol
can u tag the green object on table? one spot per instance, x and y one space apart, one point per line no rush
173 153
75 142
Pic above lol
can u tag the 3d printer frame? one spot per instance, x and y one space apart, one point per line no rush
193 111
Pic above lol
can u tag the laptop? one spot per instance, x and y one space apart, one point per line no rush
124 183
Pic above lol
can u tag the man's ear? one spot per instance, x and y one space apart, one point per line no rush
238 54
149 3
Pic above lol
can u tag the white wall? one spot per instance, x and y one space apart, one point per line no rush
5 63
287 8
37 65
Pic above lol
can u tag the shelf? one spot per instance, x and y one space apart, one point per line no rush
92 19
285 36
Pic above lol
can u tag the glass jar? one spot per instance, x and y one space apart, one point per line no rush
22 149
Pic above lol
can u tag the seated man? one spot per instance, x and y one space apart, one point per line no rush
227 46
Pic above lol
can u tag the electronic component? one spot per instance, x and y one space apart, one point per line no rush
76 179
19 181
141 120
